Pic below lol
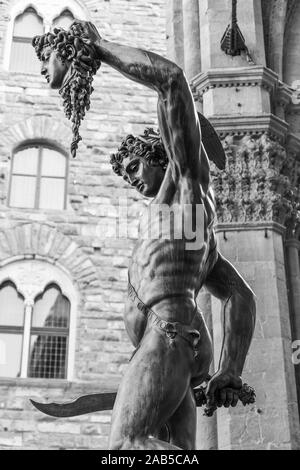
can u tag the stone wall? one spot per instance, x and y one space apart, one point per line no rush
94 260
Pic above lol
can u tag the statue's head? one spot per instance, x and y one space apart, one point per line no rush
69 64
142 162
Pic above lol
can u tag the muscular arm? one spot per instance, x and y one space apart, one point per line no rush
178 120
238 312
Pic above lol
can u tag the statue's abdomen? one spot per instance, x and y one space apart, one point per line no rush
160 268
165 267
163 263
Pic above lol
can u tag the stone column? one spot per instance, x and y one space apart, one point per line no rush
174 29
253 206
276 36
293 269
273 423
290 27
191 32
293 272
26 336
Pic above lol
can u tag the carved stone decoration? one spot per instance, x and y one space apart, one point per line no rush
292 171
31 277
260 183
44 242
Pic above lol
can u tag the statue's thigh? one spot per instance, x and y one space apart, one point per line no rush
183 424
154 384
204 353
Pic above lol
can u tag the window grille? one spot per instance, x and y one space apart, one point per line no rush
41 349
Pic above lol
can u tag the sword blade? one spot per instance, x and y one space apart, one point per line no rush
82 405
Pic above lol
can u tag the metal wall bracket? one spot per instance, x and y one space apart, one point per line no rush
233 42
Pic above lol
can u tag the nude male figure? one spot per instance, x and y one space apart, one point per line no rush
155 406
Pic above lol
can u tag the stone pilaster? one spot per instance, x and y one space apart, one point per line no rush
272 423
183 35
293 272
257 196
274 14
174 30
191 31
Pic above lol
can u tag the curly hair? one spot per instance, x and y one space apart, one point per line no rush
73 46
148 146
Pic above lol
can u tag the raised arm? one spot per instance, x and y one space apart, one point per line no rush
177 116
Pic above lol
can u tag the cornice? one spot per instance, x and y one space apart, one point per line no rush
250 226
249 125
234 77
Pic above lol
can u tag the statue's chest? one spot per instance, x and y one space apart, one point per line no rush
162 221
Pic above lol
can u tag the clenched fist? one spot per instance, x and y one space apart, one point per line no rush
88 32
222 389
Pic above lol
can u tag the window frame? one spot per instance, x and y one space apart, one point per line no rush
66 9
15 329
27 331
46 274
40 143
23 39
12 328
47 14
49 331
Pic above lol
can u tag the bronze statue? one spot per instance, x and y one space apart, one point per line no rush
155 406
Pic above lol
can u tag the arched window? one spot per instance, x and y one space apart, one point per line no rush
23 57
34 337
11 330
64 20
38 178
49 335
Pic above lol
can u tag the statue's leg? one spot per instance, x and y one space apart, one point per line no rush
163 434
155 383
180 429
182 425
